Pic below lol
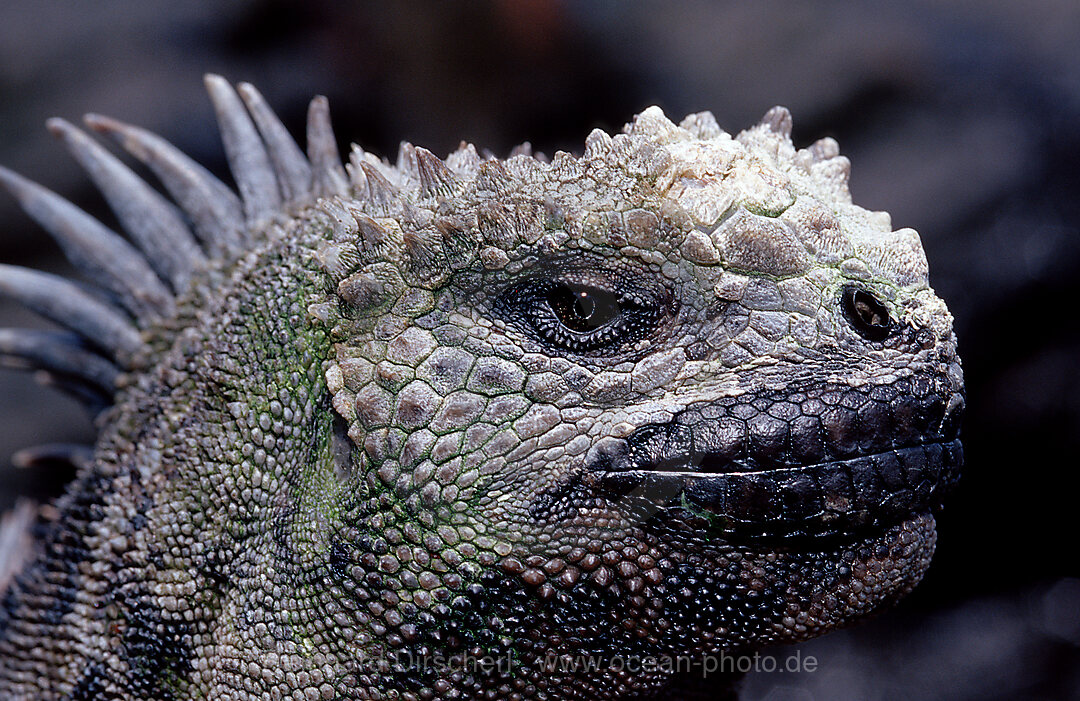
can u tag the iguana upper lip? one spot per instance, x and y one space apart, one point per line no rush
866 491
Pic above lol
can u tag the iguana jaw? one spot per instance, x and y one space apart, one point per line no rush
814 459
832 499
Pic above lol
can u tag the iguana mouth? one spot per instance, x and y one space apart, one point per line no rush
813 462
831 498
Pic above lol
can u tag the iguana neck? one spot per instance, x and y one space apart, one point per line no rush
226 451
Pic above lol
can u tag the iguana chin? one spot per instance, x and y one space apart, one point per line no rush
471 428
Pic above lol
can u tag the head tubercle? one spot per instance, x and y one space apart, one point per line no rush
751 203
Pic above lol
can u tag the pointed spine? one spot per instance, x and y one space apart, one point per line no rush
523 149
435 177
493 177
824 149
74 454
460 241
58 353
465 161
248 159
99 252
94 399
67 304
329 174
152 222
216 213
341 221
424 255
293 171
406 161
778 120
374 238
380 191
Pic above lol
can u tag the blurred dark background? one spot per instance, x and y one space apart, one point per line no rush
961 118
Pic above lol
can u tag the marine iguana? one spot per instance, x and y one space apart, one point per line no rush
475 427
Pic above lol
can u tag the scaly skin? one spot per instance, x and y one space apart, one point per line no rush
673 398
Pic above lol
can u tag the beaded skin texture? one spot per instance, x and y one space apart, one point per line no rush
469 428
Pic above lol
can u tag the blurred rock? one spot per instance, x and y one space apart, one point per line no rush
985 649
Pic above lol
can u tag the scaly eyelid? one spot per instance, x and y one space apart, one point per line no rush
642 309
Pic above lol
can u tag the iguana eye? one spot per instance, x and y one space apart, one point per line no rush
585 311
866 312
582 308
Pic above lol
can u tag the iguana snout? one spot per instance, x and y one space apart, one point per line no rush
809 460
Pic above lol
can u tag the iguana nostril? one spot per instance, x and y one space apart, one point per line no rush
867 313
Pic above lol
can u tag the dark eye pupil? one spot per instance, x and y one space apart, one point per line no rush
585 310
584 305
581 308
867 313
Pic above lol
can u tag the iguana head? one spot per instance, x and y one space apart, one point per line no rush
673 396
681 392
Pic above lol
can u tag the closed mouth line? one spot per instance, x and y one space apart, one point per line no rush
779 471
840 496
